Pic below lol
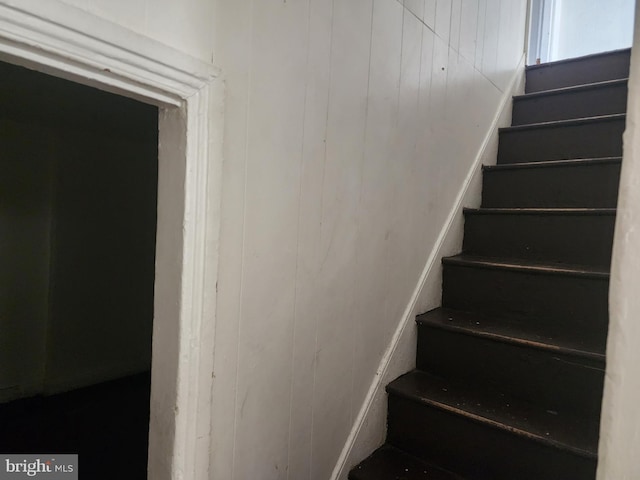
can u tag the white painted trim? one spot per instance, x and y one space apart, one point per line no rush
70 41
444 242
55 38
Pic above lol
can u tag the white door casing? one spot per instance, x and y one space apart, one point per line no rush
55 38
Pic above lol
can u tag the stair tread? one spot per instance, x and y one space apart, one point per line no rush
539 211
390 463
573 434
553 163
571 89
526 266
500 329
565 123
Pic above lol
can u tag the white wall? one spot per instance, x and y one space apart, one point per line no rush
184 25
620 423
582 27
350 127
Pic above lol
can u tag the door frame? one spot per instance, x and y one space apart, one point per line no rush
64 41
540 25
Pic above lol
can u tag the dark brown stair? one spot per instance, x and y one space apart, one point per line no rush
550 295
510 369
525 369
484 434
562 140
582 236
509 330
584 183
393 464
583 101
578 71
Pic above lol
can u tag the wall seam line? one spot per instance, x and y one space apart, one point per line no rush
244 232
324 168
295 281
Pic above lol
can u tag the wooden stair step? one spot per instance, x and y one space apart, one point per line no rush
598 67
565 235
390 463
564 300
586 183
541 268
582 101
482 433
508 330
494 351
562 139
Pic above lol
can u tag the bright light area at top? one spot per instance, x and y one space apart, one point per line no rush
563 29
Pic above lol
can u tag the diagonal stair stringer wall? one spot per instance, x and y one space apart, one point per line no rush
350 127
369 428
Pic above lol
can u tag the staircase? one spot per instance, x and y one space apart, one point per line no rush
510 370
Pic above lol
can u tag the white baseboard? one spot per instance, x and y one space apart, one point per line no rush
369 428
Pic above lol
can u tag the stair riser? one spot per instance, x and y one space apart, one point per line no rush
565 306
588 140
553 381
586 186
572 239
580 72
581 104
479 451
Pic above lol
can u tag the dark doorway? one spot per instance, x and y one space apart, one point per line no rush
78 200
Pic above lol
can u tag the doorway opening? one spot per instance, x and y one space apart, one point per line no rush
562 29
78 213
